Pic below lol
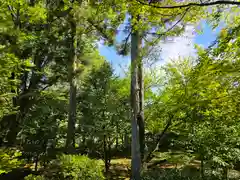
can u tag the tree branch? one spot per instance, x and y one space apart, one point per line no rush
100 30
223 2
168 30
124 48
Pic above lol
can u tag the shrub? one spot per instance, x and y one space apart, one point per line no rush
9 160
34 177
168 174
80 167
74 167
177 174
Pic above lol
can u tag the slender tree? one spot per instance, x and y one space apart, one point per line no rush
135 148
70 141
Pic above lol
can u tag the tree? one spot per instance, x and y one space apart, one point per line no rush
104 112
201 99
16 42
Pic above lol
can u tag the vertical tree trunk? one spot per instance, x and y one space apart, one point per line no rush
36 163
70 142
13 129
105 152
202 167
225 173
125 140
135 150
109 151
117 134
141 106
15 120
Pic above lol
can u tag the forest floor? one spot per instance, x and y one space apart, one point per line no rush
120 168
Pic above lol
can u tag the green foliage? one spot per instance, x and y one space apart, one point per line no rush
200 101
179 174
198 98
9 159
34 177
74 167
71 167
80 167
171 174
104 107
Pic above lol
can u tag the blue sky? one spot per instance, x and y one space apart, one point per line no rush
208 35
181 47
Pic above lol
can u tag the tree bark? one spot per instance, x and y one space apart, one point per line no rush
149 156
105 152
202 166
225 173
141 107
117 134
70 141
135 150
15 120
125 139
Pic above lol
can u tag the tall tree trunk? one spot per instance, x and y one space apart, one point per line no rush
135 150
70 142
141 107
12 119
105 152
117 134
15 120
202 166
225 173
13 130
125 139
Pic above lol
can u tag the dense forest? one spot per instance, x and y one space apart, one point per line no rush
66 114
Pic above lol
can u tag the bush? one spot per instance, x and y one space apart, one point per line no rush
168 174
177 174
80 167
34 177
74 167
9 160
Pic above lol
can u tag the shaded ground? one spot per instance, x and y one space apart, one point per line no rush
120 168
189 166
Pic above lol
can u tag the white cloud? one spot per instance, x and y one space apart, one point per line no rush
182 46
179 47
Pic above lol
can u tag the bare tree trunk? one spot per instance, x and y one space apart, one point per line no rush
202 166
135 150
141 107
36 163
125 139
105 152
117 135
70 142
225 173
149 155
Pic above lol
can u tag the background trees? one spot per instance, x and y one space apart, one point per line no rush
59 95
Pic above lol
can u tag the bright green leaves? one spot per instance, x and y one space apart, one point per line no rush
37 13
202 99
22 11
9 160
